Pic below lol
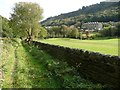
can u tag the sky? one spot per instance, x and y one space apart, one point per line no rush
50 7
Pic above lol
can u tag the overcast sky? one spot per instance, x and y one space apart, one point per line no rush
50 7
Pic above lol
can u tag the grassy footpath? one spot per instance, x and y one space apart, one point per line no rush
108 46
7 63
25 66
31 73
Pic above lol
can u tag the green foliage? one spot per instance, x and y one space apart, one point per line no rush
54 31
63 31
74 33
25 19
118 29
111 31
42 33
106 31
6 30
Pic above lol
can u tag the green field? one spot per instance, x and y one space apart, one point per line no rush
108 46
25 66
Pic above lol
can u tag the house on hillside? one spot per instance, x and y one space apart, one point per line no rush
95 26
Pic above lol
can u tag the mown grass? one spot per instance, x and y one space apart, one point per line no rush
108 46
30 67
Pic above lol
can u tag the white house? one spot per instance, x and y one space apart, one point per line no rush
92 26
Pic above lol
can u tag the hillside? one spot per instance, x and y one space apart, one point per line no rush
101 12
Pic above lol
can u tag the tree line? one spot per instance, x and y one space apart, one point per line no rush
62 32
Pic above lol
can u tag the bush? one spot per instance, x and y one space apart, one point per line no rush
111 31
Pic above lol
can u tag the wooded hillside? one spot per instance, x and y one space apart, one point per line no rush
100 12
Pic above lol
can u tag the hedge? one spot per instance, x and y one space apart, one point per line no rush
91 65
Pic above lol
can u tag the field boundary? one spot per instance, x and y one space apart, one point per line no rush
91 65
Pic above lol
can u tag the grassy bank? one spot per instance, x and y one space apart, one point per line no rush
24 66
108 46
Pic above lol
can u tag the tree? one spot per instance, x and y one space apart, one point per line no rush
25 19
74 33
6 30
111 31
117 33
42 33
87 34
106 31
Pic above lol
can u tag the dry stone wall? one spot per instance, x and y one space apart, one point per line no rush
92 65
